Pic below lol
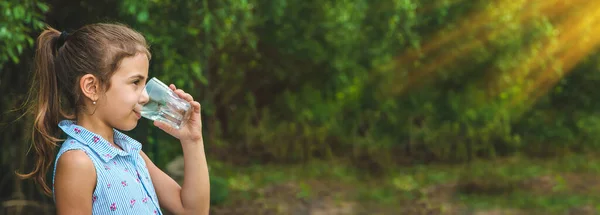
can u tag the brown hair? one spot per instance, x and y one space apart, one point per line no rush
60 62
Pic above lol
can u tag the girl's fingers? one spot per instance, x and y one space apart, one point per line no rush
182 94
188 97
196 106
185 96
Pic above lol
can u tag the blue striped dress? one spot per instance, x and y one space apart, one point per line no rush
123 183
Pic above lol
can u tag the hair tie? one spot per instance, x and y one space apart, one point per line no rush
61 39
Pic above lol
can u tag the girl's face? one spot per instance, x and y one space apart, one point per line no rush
121 105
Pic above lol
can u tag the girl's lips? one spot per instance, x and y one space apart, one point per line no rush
139 116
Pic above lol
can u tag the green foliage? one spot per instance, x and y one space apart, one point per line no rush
567 117
292 80
219 190
18 20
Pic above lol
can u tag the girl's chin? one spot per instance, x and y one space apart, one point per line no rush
128 126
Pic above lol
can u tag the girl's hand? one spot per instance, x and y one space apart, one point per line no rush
190 130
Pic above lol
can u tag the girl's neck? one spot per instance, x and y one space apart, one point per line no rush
98 127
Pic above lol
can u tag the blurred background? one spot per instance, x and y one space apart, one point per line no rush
352 107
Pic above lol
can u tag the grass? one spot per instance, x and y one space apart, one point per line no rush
537 186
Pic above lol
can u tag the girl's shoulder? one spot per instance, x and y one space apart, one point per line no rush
80 152
73 144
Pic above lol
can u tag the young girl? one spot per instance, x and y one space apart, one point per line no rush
91 85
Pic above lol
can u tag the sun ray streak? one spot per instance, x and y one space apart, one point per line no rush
534 56
576 40
476 24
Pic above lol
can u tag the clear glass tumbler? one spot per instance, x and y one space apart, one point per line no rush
164 105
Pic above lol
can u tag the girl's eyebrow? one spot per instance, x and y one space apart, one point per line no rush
138 76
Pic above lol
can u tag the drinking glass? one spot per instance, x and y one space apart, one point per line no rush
164 105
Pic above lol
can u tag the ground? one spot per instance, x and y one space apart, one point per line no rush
515 185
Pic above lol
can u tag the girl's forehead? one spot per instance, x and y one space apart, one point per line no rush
133 66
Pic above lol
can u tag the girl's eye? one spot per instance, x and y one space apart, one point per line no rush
136 82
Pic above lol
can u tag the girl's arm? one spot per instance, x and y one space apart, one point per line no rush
74 183
194 196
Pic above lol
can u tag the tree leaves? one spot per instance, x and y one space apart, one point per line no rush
18 19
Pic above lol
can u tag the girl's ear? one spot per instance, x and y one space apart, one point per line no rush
90 86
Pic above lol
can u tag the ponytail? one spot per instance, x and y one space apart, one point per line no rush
47 108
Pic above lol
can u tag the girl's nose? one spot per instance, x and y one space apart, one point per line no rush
144 98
